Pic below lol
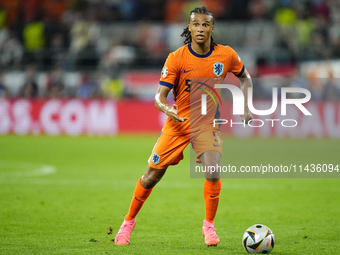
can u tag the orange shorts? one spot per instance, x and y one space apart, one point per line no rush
168 149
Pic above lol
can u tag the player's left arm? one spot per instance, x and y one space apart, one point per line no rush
245 80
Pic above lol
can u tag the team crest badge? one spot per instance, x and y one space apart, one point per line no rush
155 158
164 71
218 68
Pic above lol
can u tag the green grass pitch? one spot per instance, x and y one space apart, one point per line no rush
60 195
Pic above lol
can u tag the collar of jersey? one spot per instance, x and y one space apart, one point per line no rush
200 55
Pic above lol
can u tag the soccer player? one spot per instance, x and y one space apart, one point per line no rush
199 58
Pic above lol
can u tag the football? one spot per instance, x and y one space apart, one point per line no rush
258 239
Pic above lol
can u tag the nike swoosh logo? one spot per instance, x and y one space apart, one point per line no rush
139 199
188 71
213 196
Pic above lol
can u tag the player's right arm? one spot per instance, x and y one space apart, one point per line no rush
162 104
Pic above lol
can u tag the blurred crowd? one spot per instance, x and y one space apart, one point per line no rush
90 85
55 36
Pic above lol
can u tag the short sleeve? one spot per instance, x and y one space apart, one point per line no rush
169 72
236 64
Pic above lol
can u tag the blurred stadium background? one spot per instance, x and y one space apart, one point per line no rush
58 57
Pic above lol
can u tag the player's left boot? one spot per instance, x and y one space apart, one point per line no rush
124 233
209 233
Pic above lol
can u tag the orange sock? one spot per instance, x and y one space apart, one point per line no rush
211 192
138 199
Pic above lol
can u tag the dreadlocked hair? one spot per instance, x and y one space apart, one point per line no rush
198 10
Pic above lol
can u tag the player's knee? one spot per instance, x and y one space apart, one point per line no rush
152 177
150 181
210 158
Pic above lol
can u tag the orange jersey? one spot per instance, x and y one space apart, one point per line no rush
183 65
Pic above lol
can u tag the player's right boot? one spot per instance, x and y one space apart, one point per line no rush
209 233
124 233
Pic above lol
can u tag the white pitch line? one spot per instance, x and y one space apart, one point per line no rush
14 169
